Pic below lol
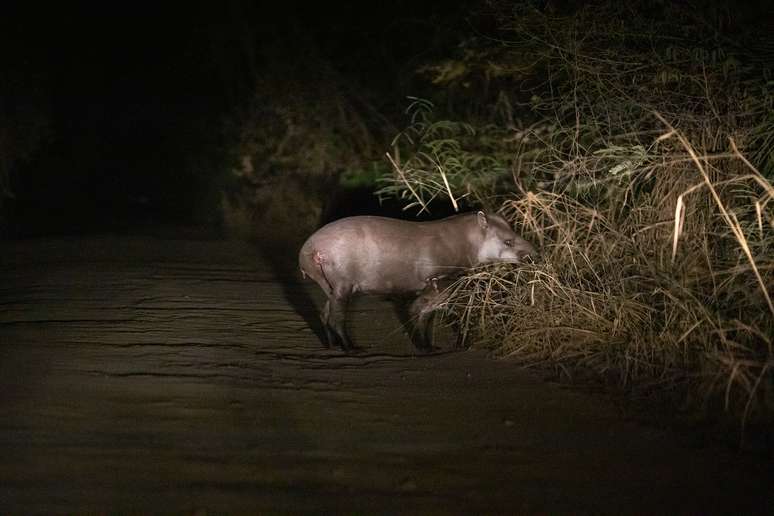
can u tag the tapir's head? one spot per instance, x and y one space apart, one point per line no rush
499 243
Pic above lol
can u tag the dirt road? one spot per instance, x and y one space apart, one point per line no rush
142 374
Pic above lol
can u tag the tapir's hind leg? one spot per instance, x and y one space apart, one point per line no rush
330 336
334 320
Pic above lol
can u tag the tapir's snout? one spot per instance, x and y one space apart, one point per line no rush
527 253
519 251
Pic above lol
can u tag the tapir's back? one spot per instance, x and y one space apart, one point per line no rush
379 254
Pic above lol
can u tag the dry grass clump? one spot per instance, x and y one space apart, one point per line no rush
656 232
667 285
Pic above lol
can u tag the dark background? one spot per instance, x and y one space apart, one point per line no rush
134 95
114 114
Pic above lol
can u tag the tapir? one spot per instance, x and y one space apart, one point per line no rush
379 255
432 297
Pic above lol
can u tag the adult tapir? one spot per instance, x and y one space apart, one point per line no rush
378 255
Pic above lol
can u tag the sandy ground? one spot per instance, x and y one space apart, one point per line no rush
142 374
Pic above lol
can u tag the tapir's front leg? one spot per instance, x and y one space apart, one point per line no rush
423 310
422 324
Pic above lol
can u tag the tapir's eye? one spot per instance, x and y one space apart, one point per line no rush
508 243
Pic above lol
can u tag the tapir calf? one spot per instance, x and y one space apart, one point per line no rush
378 255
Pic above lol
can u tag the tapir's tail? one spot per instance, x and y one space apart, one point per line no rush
319 259
312 263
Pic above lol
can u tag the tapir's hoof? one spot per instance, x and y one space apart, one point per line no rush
427 349
348 347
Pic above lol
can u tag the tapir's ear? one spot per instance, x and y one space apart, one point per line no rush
482 222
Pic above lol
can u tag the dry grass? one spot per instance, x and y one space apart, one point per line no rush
614 143
669 286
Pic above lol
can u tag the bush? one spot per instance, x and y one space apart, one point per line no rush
303 130
633 146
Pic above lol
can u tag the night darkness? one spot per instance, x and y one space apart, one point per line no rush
119 114
596 339
121 89
132 99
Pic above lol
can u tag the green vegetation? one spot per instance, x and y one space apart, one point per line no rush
634 146
302 132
